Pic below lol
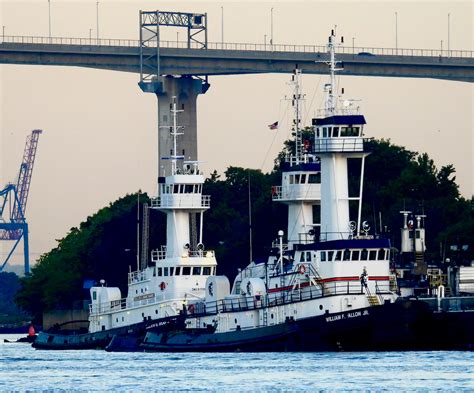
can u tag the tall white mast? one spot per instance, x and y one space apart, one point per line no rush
331 88
174 133
296 101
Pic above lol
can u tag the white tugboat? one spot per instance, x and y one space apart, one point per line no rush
328 292
175 277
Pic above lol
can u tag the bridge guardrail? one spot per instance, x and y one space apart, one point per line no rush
360 52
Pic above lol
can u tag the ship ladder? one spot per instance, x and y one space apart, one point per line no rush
373 299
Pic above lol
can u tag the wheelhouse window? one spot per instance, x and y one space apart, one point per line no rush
338 256
323 256
160 271
335 132
314 178
364 254
381 256
196 270
347 255
177 270
206 270
355 255
186 270
330 255
372 255
165 270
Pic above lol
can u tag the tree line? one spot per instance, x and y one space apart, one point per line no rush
104 245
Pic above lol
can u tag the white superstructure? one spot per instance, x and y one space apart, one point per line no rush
326 266
177 273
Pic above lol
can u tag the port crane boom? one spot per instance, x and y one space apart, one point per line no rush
13 199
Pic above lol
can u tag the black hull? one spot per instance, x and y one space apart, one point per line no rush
396 326
102 339
401 326
27 339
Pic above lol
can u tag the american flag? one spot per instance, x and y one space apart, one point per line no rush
273 126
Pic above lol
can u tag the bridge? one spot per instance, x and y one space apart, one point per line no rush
177 58
172 66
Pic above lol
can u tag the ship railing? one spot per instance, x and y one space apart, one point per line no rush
183 201
157 255
296 192
341 144
324 236
286 296
349 111
201 253
137 276
366 53
122 304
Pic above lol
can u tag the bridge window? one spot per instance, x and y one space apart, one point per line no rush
347 255
303 179
292 179
308 256
325 132
206 270
165 271
186 270
355 255
381 256
160 271
171 271
323 256
330 255
363 255
335 132
302 257
314 178
372 255
196 270
338 256
177 271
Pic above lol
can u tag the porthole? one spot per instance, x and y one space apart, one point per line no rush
156 312
235 320
271 316
320 306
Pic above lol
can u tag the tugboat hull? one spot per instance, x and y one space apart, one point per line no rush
395 326
100 340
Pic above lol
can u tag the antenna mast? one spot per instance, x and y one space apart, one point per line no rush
174 133
331 97
296 99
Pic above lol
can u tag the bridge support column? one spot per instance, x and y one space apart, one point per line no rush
186 90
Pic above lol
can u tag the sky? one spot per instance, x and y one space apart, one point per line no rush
100 130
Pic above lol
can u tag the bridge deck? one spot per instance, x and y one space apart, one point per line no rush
234 58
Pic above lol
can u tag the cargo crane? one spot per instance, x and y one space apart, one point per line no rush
13 198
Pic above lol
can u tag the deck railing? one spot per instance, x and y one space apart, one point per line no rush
358 52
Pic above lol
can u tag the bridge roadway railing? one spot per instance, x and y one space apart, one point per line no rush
360 51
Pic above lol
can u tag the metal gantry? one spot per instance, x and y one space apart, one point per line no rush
13 199
150 22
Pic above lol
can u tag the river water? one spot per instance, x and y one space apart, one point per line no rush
24 368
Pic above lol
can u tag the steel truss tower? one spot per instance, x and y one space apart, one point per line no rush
13 199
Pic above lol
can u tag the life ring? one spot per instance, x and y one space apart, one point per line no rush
191 308
302 269
162 285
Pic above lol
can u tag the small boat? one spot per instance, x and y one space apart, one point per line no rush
30 338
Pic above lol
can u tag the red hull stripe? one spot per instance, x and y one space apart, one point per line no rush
331 279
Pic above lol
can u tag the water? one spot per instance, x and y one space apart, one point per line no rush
24 368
